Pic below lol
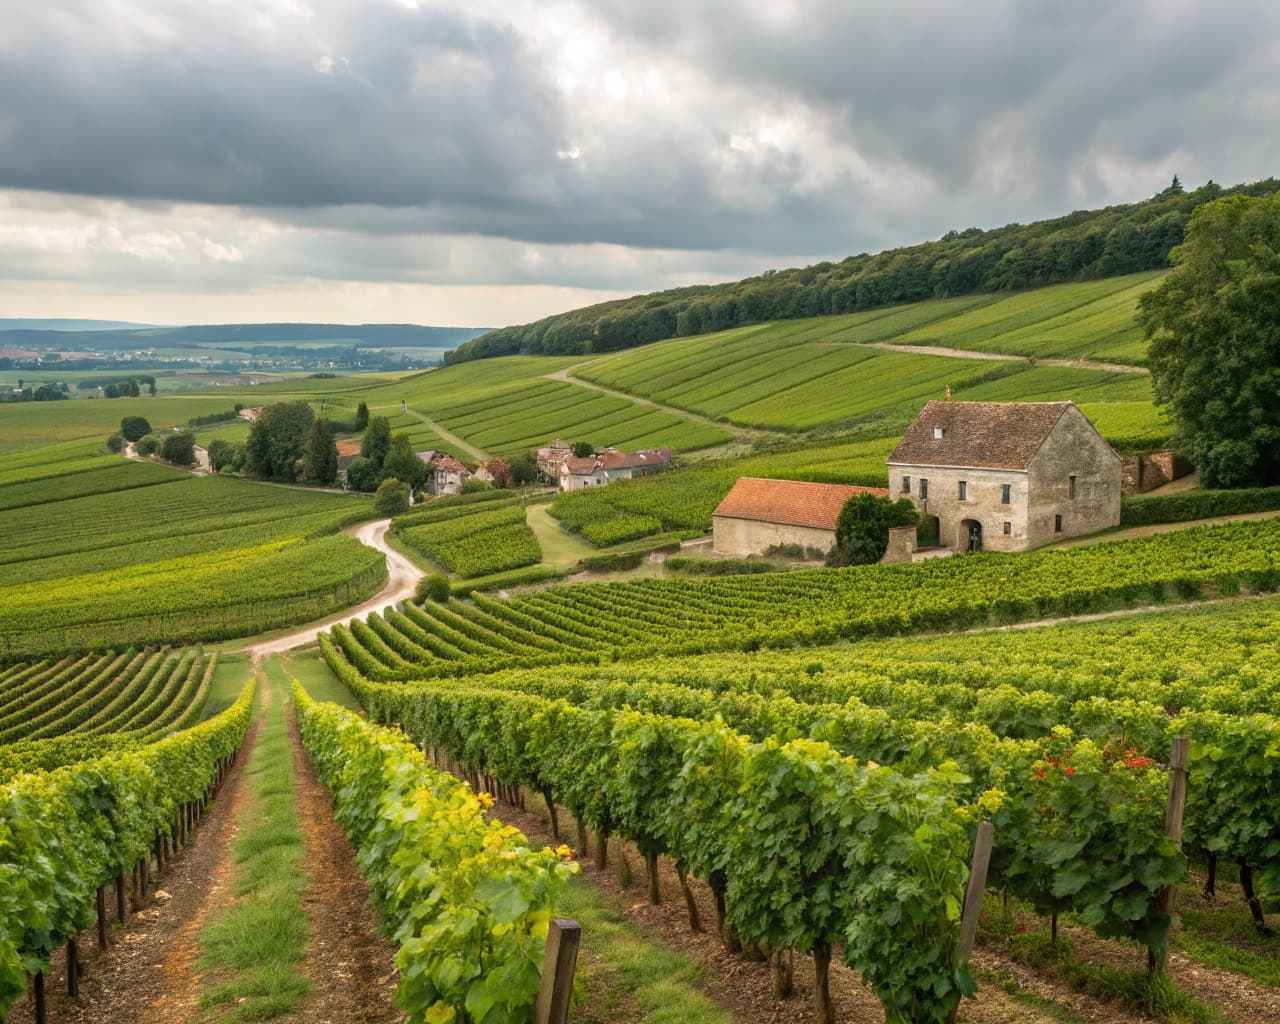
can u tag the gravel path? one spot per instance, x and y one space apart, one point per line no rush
402 580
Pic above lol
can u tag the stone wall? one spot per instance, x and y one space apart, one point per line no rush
743 537
982 503
1073 449
902 545
1146 472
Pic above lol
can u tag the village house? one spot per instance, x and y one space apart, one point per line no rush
250 413
609 465
446 475
495 472
1006 476
551 459
348 452
759 514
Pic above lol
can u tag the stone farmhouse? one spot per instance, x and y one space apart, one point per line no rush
609 465
1006 476
759 514
551 460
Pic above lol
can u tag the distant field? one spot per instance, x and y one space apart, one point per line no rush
504 406
166 557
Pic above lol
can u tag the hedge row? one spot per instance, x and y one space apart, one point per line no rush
1189 505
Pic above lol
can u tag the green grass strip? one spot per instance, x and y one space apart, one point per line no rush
626 968
252 949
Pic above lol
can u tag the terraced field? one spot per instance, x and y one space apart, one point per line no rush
798 374
1093 320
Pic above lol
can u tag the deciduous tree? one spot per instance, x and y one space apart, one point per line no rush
1214 324
320 456
276 439
862 529
376 441
134 428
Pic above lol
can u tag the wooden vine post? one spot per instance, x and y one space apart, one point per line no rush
558 964
974 891
1179 756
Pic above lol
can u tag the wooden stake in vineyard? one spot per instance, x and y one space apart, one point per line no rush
558 965
1179 755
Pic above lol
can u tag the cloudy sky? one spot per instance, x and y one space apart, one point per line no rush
492 161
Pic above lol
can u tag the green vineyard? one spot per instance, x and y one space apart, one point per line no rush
52 711
112 811
646 617
132 565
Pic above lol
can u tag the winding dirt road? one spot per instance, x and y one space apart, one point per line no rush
402 580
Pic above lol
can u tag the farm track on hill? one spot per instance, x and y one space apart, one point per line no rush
962 353
149 974
402 580
742 433
468 449
350 964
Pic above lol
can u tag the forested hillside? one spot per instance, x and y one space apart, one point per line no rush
1084 245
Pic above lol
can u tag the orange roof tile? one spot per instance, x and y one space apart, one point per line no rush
348 448
793 502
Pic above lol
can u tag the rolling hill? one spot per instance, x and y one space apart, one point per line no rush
1086 245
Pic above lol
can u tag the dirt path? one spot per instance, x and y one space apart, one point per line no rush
743 433
147 975
964 353
350 965
476 453
402 580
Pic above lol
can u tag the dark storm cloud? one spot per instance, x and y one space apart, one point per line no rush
786 129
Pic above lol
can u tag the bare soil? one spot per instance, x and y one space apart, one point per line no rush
350 964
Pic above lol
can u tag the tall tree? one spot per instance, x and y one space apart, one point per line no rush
362 416
320 456
403 463
376 441
1214 325
276 439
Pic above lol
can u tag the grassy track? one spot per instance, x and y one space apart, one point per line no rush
253 949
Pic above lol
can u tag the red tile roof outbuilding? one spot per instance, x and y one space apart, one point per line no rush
793 502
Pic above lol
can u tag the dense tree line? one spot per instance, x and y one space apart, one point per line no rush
1084 245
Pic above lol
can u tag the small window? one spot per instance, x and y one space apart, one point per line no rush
1005 490
1071 487
964 489
924 489
1008 529
906 485
1057 524
939 433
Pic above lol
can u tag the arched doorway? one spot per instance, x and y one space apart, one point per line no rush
927 532
970 535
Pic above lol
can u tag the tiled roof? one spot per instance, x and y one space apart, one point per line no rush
793 502
582 467
448 464
630 460
348 448
995 435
